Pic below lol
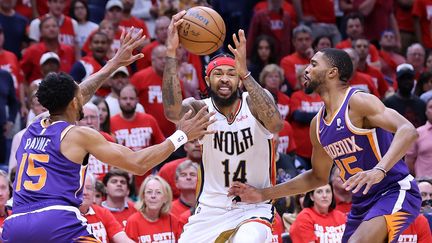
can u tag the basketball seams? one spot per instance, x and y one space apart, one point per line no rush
214 20
199 25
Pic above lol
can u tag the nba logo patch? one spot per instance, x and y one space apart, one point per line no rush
339 125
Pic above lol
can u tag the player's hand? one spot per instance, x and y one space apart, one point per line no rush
247 193
128 43
240 53
172 41
196 127
365 178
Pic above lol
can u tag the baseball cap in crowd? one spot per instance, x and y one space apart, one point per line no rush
405 69
49 56
113 3
121 69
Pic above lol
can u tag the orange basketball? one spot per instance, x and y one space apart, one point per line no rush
202 31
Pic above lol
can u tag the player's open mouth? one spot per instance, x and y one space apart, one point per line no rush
306 80
224 90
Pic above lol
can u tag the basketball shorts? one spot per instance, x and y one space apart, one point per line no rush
399 206
209 224
49 224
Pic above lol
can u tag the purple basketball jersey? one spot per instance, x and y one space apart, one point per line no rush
44 176
356 149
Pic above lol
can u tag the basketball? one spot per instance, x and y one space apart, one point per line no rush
202 31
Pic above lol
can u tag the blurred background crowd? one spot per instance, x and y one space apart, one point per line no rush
389 42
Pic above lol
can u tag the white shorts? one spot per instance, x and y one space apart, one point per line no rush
208 223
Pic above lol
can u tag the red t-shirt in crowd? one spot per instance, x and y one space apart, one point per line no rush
373 51
291 64
168 172
146 60
286 139
184 219
9 62
31 59
178 207
122 216
363 82
96 167
418 231
102 223
165 229
377 78
277 229
136 23
404 18
149 86
423 10
306 103
312 226
344 207
286 6
323 12
283 103
141 132
378 19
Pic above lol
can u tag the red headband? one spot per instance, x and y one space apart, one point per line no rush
219 62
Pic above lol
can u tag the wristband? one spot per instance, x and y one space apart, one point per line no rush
381 169
178 139
246 76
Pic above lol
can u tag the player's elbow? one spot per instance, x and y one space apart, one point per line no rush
411 132
172 115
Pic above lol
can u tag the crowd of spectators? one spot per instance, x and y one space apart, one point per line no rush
389 42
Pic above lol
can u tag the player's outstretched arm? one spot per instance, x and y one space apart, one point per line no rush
85 140
260 101
171 89
374 114
123 57
307 181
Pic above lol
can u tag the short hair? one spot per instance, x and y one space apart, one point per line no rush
132 87
424 179
116 172
89 105
353 42
424 78
308 203
56 91
92 180
268 69
99 33
184 165
301 29
157 49
166 207
100 187
414 45
44 20
340 60
355 15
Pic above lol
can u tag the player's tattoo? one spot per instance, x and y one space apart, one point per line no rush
263 104
171 90
91 84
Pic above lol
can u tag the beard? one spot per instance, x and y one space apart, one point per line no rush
224 102
314 84
127 111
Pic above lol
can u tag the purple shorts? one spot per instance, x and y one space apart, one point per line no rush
399 205
50 224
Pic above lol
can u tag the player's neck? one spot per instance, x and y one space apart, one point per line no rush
229 111
63 117
333 97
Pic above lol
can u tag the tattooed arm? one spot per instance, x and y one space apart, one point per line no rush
123 57
174 107
259 100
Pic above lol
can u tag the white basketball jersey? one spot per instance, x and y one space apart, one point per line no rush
239 151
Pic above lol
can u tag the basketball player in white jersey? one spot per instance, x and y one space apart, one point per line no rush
240 150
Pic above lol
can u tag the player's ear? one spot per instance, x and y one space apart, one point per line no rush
333 73
207 80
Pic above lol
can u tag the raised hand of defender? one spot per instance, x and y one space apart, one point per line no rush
128 43
240 53
247 193
365 178
172 41
196 127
